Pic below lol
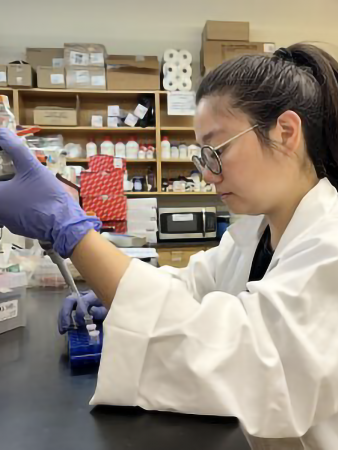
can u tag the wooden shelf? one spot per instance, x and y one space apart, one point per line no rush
80 91
177 129
155 194
92 129
86 160
177 161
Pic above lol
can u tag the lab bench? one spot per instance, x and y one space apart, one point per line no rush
178 254
44 405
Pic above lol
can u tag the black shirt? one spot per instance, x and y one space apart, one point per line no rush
262 258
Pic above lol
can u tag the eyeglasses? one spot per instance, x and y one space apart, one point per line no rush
210 156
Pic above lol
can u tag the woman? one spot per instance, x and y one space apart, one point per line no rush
248 329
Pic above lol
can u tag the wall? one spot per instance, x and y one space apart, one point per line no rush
150 26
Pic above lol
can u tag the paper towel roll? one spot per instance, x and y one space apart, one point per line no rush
184 85
170 69
184 70
170 84
184 57
171 56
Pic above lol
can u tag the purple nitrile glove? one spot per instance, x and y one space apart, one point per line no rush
36 205
93 306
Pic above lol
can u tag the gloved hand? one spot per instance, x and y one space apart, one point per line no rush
93 306
36 205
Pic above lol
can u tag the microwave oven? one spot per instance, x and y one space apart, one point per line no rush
187 223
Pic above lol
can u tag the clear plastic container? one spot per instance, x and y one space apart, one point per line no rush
47 275
12 301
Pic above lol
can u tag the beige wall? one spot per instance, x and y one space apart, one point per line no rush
150 26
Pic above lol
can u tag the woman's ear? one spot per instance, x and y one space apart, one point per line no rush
288 132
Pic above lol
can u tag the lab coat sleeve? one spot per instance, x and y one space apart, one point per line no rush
268 356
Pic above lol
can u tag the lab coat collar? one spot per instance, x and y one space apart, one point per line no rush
316 202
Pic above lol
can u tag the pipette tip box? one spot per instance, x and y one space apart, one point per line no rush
81 351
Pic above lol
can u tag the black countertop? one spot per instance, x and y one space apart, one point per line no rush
44 406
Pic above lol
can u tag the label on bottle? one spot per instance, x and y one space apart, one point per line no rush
57 78
96 58
57 62
113 111
78 59
8 310
131 120
82 77
140 111
3 77
98 80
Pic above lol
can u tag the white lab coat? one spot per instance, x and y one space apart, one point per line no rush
203 340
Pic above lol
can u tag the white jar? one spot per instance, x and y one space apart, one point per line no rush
107 147
91 149
132 149
150 154
165 148
175 154
194 150
183 151
141 154
120 150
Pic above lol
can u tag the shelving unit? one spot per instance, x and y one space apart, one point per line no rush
177 128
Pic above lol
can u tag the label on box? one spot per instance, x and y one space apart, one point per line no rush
19 80
181 103
113 122
269 48
8 310
96 58
131 120
140 111
57 78
118 163
3 77
57 62
98 80
97 121
78 58
182 217
82 76
140 58
113 111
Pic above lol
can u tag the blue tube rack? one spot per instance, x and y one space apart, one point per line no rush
81 351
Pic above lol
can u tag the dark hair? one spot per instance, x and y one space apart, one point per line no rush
302 78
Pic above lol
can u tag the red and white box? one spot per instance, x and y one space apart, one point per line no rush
106 207
102 183
105 163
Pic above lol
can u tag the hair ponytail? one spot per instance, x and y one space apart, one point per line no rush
302 78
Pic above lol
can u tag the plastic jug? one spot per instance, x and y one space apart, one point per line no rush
120 149
175 154
183 151
165 148
107 147
91 148
132 149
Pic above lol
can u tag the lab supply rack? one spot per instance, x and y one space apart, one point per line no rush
89 102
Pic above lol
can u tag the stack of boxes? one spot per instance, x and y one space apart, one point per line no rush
142 218
102 191
225 40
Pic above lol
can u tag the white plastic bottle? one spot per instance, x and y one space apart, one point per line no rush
141 154
174 152
91 148
193 150
165 148
183 151
107 147
132 148
120 150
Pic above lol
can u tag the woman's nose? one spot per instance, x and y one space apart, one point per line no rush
210 177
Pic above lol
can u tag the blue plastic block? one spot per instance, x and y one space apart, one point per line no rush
81 352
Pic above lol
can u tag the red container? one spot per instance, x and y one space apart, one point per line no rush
105 207
102 183
105 163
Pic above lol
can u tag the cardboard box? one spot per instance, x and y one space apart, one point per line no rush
86 78
55 116
106 207
20 75
133 72
45 57
102 183
214 53
51 77
226 31
82 55
3 75
105 163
